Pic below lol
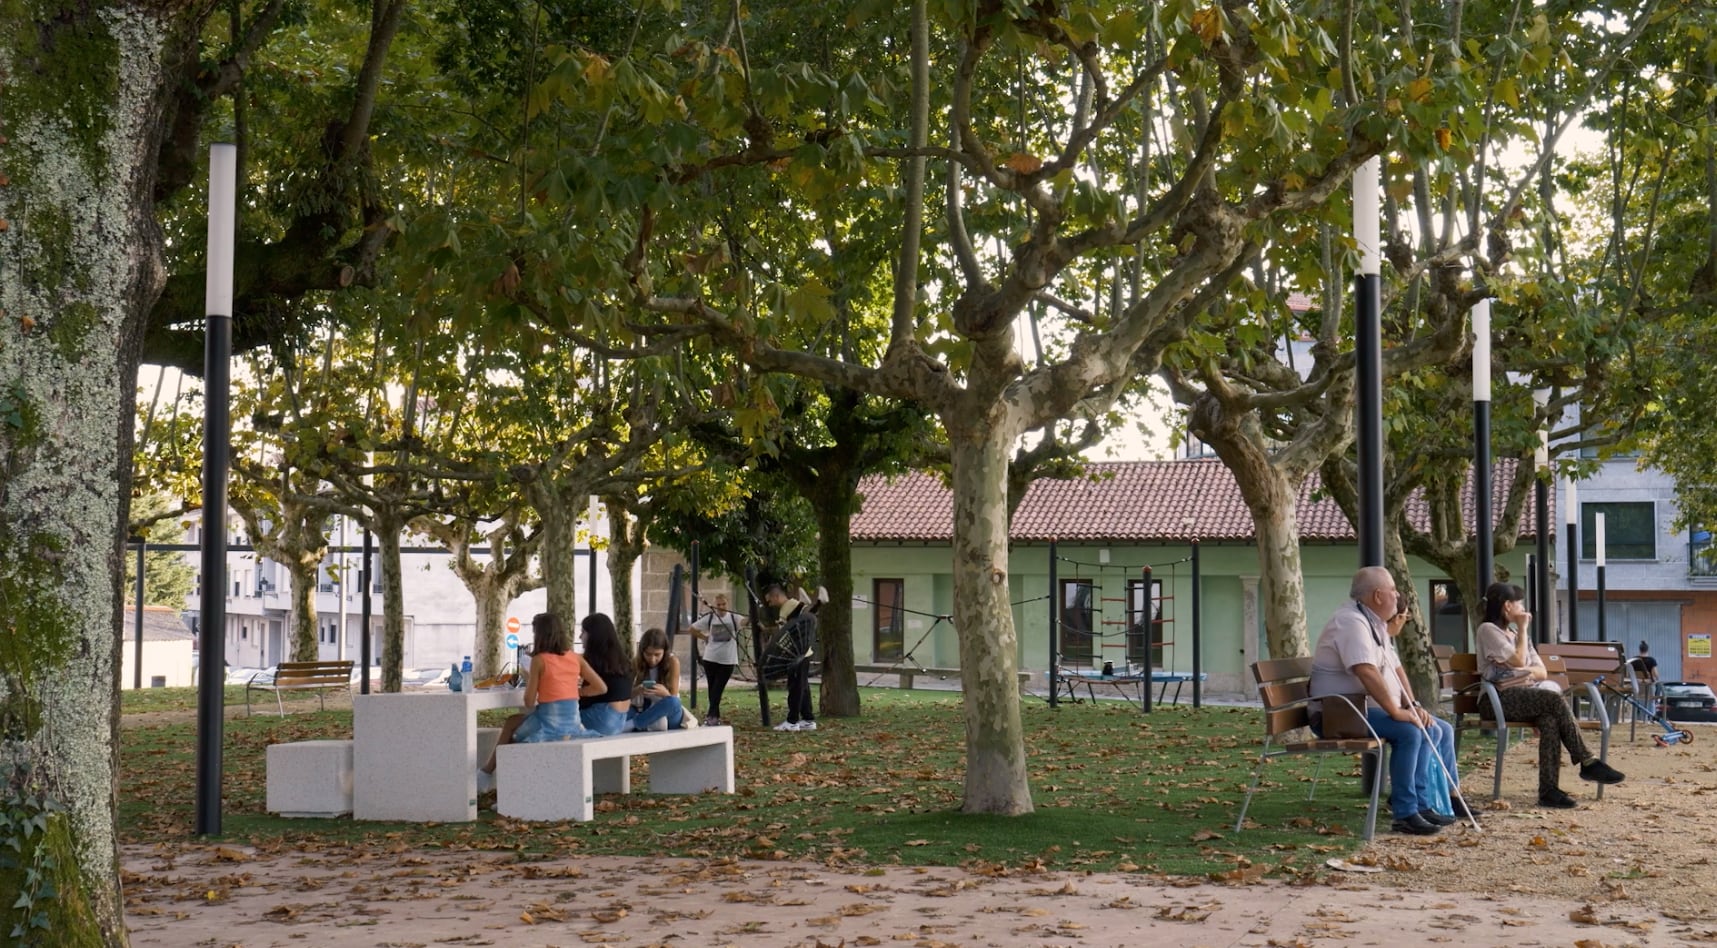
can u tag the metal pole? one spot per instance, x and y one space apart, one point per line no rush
1368 356
1482 520
343 585
672 621
1153 631
757 643
1197 635
1599 545
364 614
217 445
1573 541
696 601
137 676
1054 648
1541 521
1532 588
593 553
1602 637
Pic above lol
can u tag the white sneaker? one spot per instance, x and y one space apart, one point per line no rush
787 726
485 781
807 725
688 721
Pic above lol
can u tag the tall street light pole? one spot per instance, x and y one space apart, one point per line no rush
1368 354
217 438
1481 447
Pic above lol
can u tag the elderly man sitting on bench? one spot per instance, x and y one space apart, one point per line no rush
1356 654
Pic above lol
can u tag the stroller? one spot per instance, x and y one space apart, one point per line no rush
1671 734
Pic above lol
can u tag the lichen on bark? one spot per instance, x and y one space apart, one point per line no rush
79 263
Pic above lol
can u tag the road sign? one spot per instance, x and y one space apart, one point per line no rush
512 623
512 640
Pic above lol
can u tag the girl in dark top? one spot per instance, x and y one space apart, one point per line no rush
605 715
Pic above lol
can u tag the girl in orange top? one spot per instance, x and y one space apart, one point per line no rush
551 694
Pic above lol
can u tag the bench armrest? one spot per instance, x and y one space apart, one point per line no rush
1488 692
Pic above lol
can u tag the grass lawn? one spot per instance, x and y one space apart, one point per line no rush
1113 789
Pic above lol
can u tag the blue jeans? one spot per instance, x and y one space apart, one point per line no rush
668 708
1410 760
603 721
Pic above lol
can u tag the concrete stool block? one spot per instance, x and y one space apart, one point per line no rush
487 738
310 778
549 781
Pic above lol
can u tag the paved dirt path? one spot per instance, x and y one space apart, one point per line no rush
1633 869
223 896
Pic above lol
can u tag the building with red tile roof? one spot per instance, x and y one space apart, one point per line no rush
1128 501
1104 529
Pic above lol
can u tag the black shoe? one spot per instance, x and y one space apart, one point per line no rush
1554 797
1597 771
1460 807
1415 825
1436 819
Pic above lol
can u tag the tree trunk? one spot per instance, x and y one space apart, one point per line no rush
838 694
79 264
388 530
1272 498
625 545
1281 582
997 780
560 566
1414 642
304 643
490 653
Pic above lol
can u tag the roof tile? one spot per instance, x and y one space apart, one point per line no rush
1128 501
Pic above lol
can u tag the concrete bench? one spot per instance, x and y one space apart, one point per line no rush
310 778
299 676
559 780
905 673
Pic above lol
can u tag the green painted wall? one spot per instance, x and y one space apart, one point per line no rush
927 573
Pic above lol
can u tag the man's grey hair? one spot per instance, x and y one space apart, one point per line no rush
1368 580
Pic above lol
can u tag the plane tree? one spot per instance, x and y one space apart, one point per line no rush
1050 205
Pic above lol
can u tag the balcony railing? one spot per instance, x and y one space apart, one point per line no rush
1702 554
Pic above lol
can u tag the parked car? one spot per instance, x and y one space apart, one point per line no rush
1689 701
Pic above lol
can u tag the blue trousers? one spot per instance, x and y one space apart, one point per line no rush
668 708
1411 758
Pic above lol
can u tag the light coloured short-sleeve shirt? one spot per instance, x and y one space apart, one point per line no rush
1353 636
1496 652
722 647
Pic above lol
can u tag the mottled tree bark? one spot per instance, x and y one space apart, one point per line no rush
997 779
81 93
625 545
388 528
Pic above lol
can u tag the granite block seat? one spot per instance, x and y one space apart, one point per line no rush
310 778
559 780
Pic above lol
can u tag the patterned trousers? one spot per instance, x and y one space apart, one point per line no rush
1549 712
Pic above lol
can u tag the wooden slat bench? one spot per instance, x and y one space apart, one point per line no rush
299 676
1587 662
1475 697
1283 685
559 780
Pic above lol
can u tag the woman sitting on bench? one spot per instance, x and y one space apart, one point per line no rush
605 711
656 690
1510 663
557 677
